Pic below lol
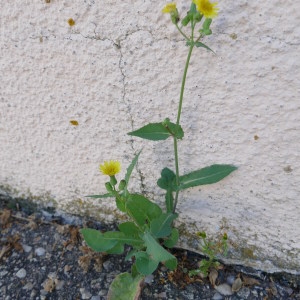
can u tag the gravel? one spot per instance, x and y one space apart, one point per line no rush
44 257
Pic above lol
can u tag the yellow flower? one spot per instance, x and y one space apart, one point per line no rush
206 8
111 167
170 8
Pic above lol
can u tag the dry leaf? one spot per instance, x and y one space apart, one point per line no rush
4 218
84 262
49 285
213 275
237 284
248 281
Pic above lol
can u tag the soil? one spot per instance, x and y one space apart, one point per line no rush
43 256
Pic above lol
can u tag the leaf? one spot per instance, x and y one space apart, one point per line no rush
104 242
167 179
207 175
95 240
199 44
157 252
172 240
213 275
162 226
152 131
129 228
174 129
142 210
169 200
108 195
145 264
125 286
131 167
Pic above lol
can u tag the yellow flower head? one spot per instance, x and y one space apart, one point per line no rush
111 167
207 8
170 8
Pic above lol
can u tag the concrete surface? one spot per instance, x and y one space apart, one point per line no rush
118 68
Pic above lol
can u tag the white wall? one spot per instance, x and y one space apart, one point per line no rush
119 68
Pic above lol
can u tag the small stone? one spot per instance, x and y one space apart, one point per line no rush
95 298
224 289
28 286
40 251
217 296
26 248
149 279
85 294
230 279
3 273
244 293
107 265
21 273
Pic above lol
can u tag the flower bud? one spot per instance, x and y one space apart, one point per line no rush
108 187
113 180
122 185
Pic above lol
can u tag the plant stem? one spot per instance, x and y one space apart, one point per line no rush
178 120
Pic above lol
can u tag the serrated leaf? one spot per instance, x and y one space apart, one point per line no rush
125 286
171 241
162 226
207 175
141 209
152 131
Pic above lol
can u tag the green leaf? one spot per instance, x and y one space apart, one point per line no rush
104 242
166 181
129 228
207 175
169 200
121 203
186 20
131 167
152 131
174 129
162 226
118 249
145 264
199 44
125 286
142 210
172 240
96 240
157 252
108 195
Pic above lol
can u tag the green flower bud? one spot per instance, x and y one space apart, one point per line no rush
122 185
113 180
108 187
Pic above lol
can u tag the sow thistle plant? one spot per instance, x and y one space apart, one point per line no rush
150 229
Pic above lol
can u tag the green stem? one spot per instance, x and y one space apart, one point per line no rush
178 120
182 33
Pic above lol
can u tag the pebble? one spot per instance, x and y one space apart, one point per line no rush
217 296
85 294
149 279
40 251
28 286
26 248
21 273
107 265
244 293
95 298
224 289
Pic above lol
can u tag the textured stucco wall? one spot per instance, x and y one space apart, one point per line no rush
119 68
